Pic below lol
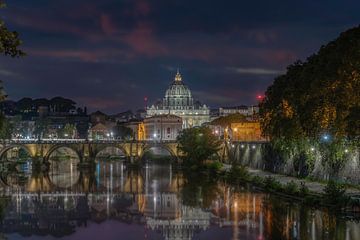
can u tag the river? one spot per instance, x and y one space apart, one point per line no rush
152 202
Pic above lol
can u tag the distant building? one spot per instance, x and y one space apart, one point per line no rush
246 131
123 117
162 127
138 129
99 131
245 110
140 114
178 101
97 117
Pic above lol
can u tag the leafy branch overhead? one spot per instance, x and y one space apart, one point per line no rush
320 95
9 40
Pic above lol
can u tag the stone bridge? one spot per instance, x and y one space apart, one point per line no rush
88 150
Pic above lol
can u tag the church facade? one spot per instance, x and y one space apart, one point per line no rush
179 101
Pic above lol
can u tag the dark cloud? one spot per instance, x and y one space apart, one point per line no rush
109 54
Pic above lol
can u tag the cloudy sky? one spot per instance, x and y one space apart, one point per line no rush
109 54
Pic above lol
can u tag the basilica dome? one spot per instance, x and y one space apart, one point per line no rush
178 95
179 101
178 88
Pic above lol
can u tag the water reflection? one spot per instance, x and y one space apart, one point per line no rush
157 201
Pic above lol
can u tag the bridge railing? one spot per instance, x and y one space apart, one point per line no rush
72 141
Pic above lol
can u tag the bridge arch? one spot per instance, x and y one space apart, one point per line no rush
56 147
119 147
166 147
7 148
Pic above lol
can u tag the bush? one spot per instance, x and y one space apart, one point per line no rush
237 174
291 188
215 166
304 190
334 194
271 184
257 180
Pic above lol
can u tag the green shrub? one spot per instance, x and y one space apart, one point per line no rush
304 190
215 166
271 184
257 180
291 188
237 174
334 194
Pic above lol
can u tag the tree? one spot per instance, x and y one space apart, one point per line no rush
318 95
123 132
315 98
9 40
68 131
198 144
6 128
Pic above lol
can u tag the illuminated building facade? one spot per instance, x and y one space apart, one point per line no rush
178 101
162 127
246 131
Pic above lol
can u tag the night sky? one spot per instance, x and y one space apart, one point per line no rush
109 54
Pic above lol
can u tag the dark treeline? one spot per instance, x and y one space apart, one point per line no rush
315 107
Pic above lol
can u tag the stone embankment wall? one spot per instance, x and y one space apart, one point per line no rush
261 156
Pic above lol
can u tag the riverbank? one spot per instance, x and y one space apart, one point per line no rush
312 192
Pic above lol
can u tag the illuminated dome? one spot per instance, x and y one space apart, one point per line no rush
178 95
178 101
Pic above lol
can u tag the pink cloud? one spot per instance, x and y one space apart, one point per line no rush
143 41
84 55
142 8
262 36
107 26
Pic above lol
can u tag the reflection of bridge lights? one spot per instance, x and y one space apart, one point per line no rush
253 146
242 146
232 145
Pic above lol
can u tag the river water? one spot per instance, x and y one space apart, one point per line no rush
153 202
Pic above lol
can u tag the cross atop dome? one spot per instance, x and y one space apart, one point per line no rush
178 76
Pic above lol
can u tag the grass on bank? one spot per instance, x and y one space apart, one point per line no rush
333 194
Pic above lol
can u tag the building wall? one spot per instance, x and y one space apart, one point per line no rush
246 131
162 127
190 118
245 110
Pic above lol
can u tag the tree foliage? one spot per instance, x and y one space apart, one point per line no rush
316 97
6 128
320 95
198 144
9 40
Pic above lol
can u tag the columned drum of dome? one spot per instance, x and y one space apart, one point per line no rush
178 101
